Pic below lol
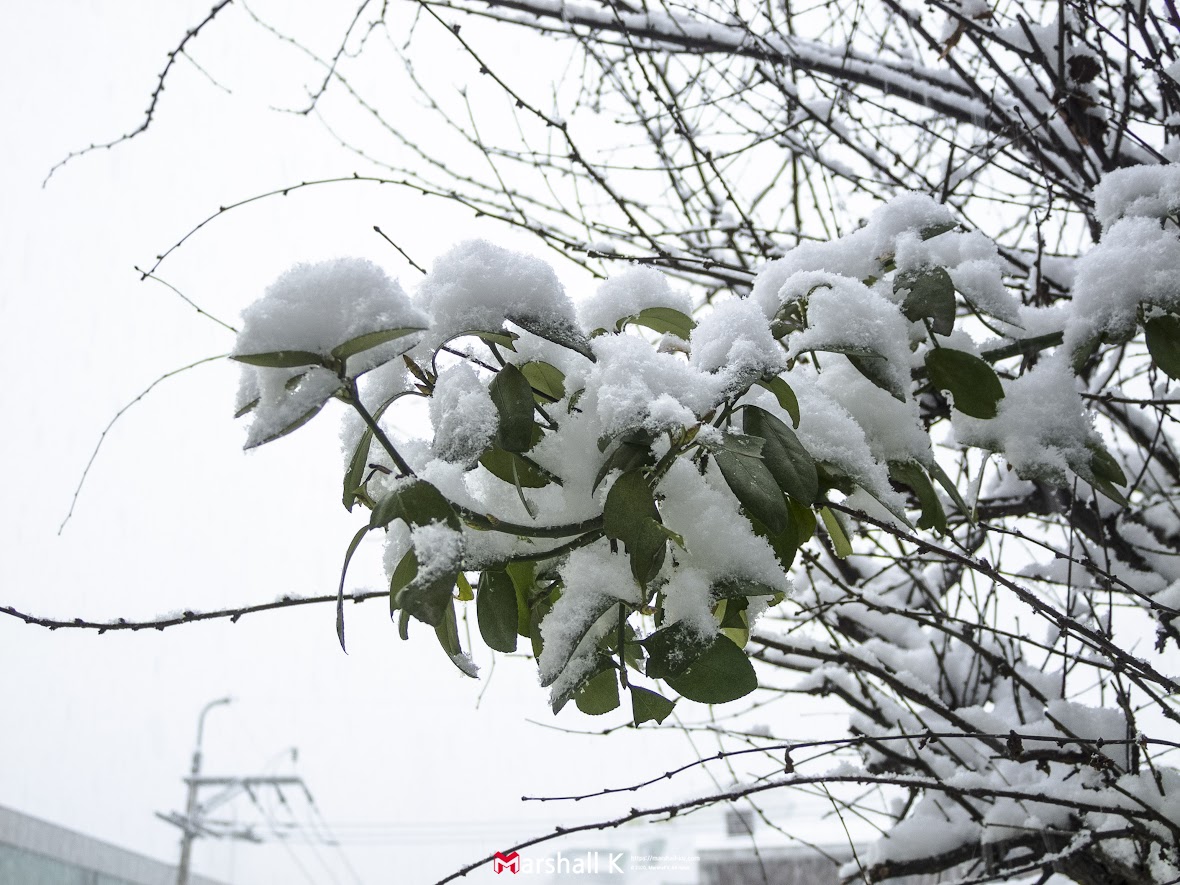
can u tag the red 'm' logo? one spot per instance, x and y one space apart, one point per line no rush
509 862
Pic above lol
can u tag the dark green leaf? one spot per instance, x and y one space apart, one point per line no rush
630 515
735 622
632 453
524 579
448 637
281 359
722 674
370 340
428 601
663 320
934 230
355 475
600 694
352 545
513 396
559 331
648 706
785 396
948 486
496 610
878 371
503 337
406 571
751 482
929 294
789 463
785 544
971 381
546 380
292 427
911 474
514 468
415 503
673 649
1163 343
1104 473
730 588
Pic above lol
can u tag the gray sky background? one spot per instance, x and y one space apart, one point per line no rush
96 731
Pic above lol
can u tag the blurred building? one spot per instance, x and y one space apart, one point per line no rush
35 852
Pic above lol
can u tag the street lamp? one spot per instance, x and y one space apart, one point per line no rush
190 809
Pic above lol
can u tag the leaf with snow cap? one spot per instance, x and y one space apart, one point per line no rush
740 460
369 340
972 382
290 427
517 469
929 294
582 619
1103 473
673 649
559 331
513 397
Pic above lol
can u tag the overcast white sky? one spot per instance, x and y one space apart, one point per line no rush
97 730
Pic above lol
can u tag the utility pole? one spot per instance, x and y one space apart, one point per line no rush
193 822
189 828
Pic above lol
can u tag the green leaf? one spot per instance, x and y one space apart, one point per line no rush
751 481
281 359
428 601
581 620
878 370
972 382
546 380
934 230
524 579
448 637
722 674
840 542
559 331
948 486
929 294
785 544
648 706
1104 473
370 340
514 468
632 453
355 475
466 593
415 503
600 694
735 622
789 463
513 395
673 649
496 610
503 337
663 320
406 571
911 474
352 545
630 515
292 427
785 396
1163 343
